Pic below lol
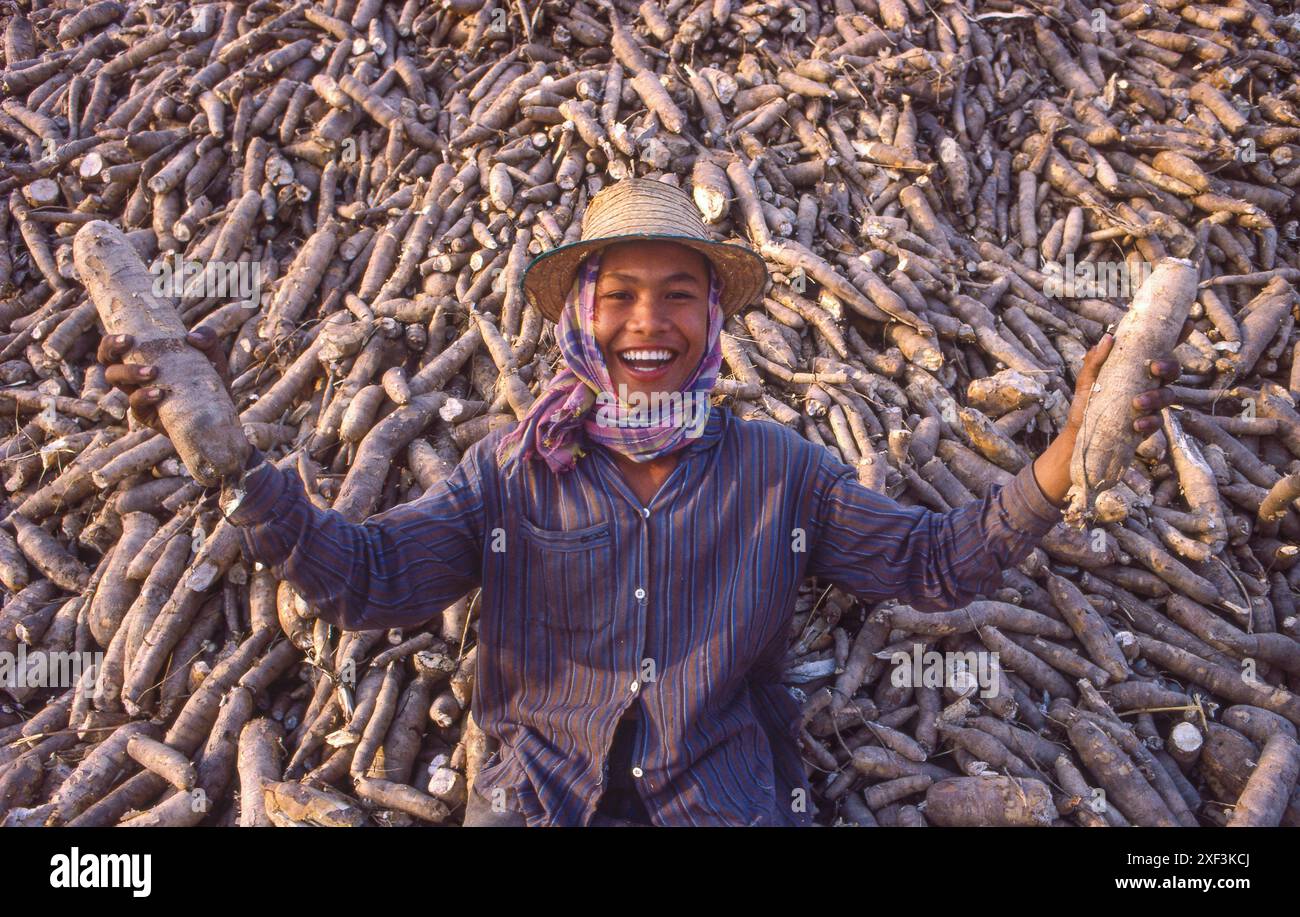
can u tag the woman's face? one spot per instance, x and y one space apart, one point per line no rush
652 314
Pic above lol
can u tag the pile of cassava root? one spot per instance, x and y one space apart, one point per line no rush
928 182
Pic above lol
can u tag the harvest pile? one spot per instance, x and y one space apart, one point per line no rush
926 182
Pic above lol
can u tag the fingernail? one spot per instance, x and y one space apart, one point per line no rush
155 393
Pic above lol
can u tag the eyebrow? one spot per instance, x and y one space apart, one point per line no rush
632 278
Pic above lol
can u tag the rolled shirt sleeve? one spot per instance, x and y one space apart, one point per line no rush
877 549
397 569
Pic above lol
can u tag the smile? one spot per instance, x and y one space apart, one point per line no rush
647 362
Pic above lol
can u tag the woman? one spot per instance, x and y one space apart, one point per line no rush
639 568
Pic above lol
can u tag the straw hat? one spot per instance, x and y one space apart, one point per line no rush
641 208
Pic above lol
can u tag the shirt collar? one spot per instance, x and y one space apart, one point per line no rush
712 432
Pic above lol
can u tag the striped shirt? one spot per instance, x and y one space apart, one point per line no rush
592 603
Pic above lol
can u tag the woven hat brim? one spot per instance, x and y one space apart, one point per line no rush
549 276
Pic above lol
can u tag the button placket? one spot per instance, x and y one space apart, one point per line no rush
642 599
640 594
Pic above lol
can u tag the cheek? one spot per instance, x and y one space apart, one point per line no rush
699 332
602 329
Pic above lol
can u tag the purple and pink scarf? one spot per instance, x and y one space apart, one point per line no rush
561 420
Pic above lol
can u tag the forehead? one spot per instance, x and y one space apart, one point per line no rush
650 260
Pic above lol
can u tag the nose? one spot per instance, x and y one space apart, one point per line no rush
647 314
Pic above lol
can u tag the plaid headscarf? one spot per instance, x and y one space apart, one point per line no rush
554 427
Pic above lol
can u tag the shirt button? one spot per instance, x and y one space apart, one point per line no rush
640 595
637 772
635 685
645 511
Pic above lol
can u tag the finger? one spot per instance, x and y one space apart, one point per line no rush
1148 424
205 339
112 348
145 401
129 375
1098 353
1154 400
217 357
1167 370
1092 362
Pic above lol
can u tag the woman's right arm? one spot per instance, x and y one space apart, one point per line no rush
397 569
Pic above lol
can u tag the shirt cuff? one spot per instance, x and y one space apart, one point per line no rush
263 487
1027 505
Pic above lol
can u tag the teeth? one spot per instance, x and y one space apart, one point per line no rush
647 355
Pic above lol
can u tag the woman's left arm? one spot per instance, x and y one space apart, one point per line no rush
877 549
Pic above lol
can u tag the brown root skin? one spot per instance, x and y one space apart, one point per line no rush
1224 682
197 413
1149 330
1227 761
970 802
1125 786
302 804
1264 800
97 772
163 760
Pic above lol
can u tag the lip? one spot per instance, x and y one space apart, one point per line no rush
648 375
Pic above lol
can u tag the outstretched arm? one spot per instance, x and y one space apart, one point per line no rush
878 549
397 569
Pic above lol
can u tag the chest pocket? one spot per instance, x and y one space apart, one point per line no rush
569 570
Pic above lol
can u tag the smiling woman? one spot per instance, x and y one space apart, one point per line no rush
652 319
641 325
643 296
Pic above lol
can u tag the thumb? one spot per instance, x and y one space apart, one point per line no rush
205 339
202 338
1093 360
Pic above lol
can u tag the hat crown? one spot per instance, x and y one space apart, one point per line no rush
642 205
642 209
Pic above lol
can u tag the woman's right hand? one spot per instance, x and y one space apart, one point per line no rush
135 378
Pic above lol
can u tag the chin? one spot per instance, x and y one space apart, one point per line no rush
650 389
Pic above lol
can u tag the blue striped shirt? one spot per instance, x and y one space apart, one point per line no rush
592 602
